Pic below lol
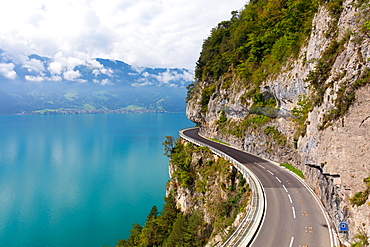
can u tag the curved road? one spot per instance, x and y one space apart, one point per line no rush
293 216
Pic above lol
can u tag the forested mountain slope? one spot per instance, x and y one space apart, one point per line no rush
289 81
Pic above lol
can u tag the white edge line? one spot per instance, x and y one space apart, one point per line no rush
326 216
322 210
264 216
291 242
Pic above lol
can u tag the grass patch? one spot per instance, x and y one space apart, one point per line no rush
293 169
215 140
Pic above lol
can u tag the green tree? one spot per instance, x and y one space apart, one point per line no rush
176 237
192 234
168 216
134 238
149 234
168 144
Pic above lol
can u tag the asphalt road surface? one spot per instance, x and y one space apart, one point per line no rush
293 216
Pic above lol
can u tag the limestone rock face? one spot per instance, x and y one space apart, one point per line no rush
213 191
336 158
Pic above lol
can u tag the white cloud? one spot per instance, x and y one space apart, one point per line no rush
143 84
95 64
168 76
34 65
55 68
103 82
69 62
138 69
104 71
165 78
55 78
34 78
7 70
106 82
72 75
146 33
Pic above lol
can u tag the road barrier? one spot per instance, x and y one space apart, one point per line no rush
250 224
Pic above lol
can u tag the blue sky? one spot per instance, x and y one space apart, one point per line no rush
148 33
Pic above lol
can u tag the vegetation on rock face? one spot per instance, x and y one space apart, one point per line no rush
221 122
300 115
361 237
361 197
255 43
275 134
222 192
258 41
238 128
346 95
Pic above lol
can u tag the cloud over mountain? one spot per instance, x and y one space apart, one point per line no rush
36 84
150 33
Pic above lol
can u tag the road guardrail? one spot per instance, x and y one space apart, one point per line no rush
248 228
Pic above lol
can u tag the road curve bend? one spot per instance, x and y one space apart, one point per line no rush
293 216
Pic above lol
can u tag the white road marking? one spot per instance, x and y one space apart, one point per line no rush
285 188
290 199
270 172
278 179
332 236
291 242
293 212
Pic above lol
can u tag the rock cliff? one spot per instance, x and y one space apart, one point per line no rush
321 119
203 183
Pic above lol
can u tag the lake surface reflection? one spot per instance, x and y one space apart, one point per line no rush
81 180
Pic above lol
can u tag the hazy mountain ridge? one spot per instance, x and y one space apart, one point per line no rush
36 84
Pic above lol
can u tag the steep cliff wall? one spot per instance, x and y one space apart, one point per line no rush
321 118
202 183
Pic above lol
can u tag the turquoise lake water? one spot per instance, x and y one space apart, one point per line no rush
81 180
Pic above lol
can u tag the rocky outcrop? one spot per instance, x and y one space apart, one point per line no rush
333 152
212 188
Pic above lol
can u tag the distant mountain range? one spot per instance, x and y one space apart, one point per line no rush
41 85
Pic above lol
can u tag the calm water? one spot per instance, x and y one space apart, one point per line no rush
81 180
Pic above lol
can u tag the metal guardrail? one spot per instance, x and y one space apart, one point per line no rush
249 226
